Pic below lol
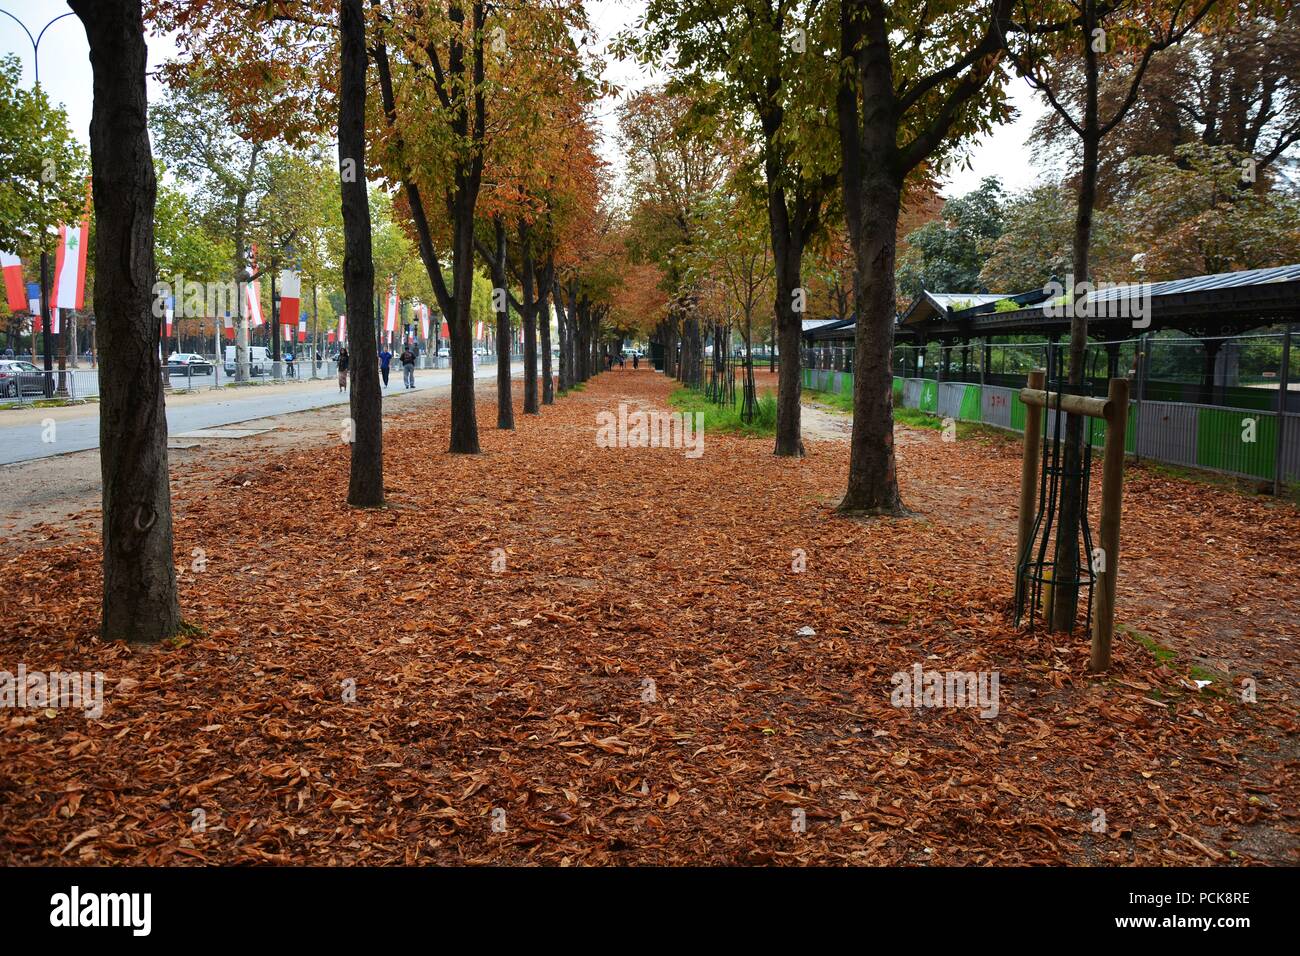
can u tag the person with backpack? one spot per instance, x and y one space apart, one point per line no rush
343 369
407 359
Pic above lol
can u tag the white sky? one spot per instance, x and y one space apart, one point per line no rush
66 77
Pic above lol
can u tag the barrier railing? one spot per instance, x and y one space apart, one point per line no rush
1242 442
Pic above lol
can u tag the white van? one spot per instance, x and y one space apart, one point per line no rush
259 360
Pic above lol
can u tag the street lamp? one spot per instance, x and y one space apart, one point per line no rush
45 256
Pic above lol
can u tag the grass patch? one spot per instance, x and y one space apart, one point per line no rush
1219 682
575 387
726 418
48 403
1249 487
911 417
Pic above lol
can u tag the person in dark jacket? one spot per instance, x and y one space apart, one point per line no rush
408 367
385 357
343 369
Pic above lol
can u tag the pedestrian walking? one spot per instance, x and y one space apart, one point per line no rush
343 369
385 358
408 367
636 361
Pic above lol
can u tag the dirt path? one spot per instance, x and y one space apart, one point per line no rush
623 655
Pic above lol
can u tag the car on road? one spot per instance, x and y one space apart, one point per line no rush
188 363
20 378
444 353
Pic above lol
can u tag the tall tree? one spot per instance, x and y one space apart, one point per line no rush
366 480
140 601
915 80
1094 37
442 108
764 60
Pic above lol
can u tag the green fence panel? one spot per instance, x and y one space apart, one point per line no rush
1017 412
970 404
1236 440
898 391
929 396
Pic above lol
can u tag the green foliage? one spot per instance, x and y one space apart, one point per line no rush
43 167
1192 214
948 254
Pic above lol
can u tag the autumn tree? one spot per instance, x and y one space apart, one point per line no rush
768 62
139 596
1093 38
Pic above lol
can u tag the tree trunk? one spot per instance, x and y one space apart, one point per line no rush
464 424
139 598
528 275
1065 603
873 478
366 479
544 318
500 288
561 325
788 254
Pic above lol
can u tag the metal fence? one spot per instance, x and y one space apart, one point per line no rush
1240 441
24 382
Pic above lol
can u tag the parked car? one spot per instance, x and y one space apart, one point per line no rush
480 351
259 360
188 363
444 353
18 377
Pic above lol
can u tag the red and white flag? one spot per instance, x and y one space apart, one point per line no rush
302 328
228 326
478 331
69 290
390 316
343 329
253 297
290 297
446 333
424 322
15 291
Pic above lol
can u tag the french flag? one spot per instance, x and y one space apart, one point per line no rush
228 327
302 328
70 268
170 315
15 291
34 305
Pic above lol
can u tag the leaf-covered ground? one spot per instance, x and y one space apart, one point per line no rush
524 689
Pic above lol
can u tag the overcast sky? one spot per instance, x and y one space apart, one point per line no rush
65 75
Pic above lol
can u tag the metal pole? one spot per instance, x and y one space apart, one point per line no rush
1029 474
1282 395
1143 361
1112 494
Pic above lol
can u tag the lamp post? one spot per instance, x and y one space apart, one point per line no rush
45 256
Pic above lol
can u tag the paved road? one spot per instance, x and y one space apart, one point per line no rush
25 442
